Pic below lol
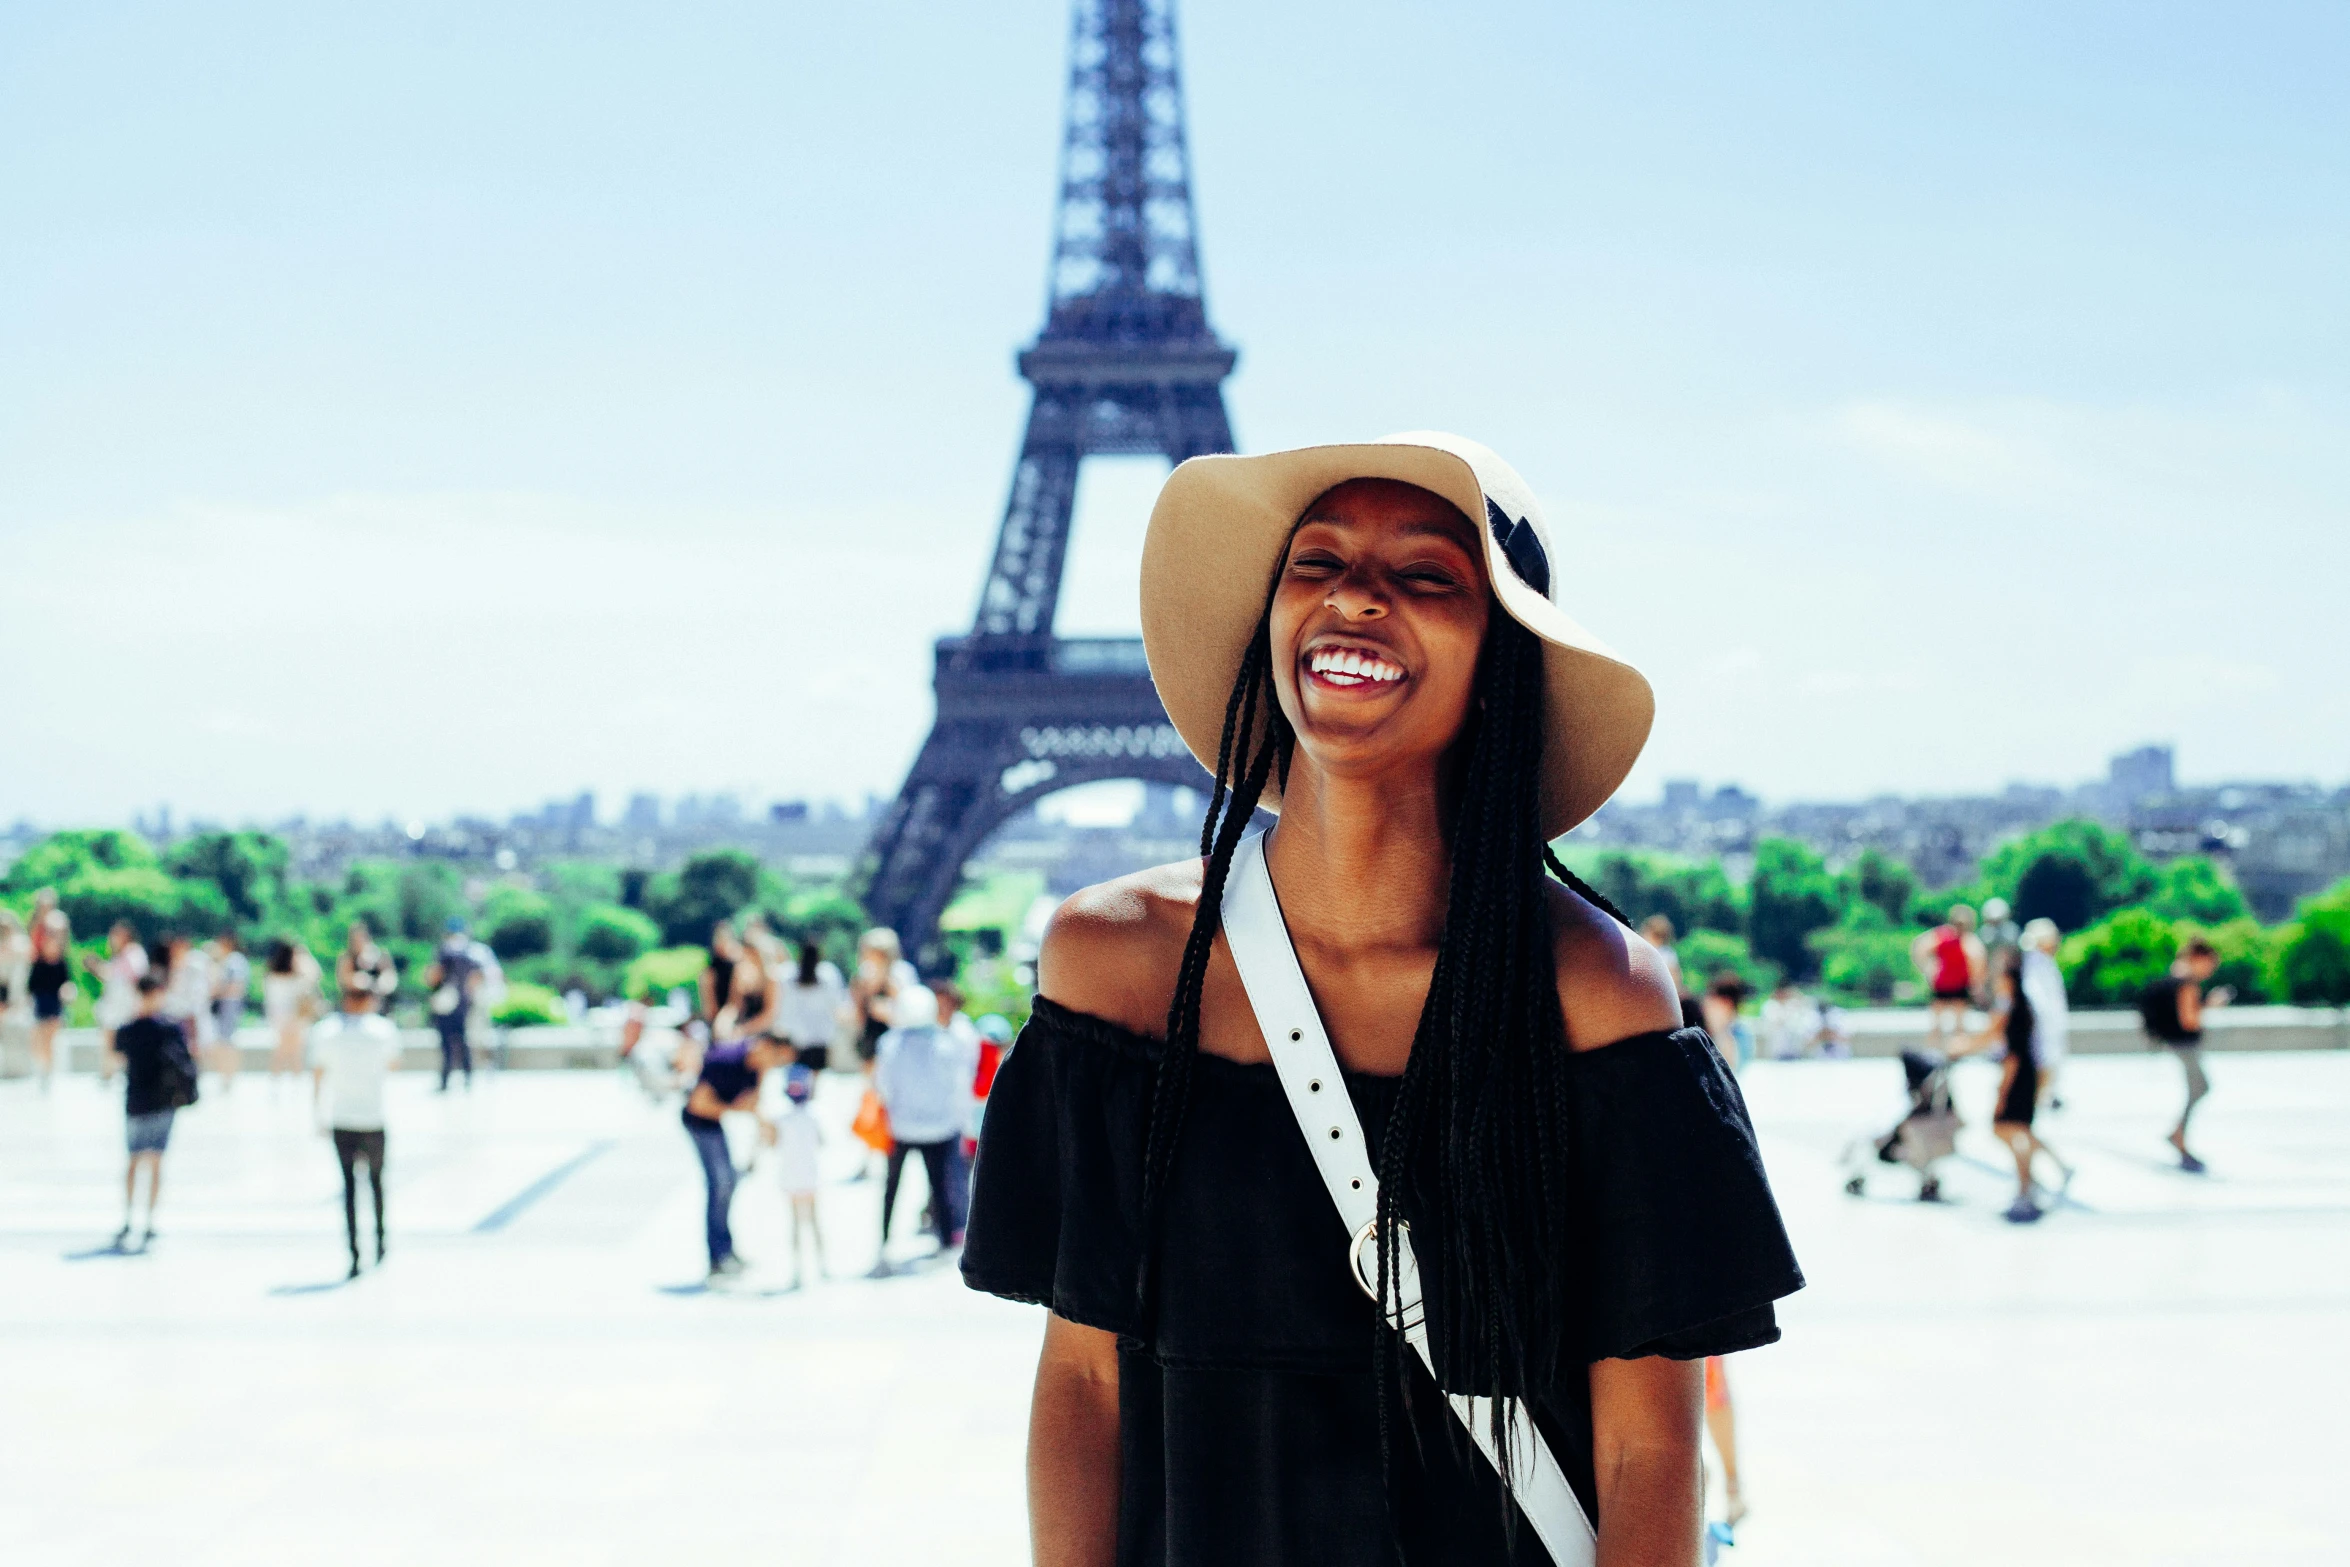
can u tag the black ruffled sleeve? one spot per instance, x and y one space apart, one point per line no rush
1680 1231
1056 1192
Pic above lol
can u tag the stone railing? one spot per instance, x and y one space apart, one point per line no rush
517 1049
1890 1030
1883 1031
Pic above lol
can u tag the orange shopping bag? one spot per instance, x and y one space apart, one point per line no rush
871 1127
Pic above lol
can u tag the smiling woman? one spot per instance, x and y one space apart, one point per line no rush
1338 1120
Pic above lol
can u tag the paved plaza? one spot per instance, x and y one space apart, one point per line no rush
2147 1377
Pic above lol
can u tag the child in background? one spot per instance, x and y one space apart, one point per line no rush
798 1139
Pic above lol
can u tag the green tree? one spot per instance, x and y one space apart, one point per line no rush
1883 882
2194 888
152 902
1706 955
2074 872
2313 960
518 923
654 974
609 933
1864 955
526 1004
249 868
60 857
827 915
2111 962
1693 894
2248 955
430 895
714 885
1791 896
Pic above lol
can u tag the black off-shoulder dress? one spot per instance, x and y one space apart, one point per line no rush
1249 1413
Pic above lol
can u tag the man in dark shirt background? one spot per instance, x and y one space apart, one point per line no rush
159 1076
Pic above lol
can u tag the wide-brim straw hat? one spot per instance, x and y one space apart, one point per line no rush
1218 533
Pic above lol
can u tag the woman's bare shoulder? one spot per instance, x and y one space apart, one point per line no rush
1612 984
1113 950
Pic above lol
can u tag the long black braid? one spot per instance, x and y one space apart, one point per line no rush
1256 738
1474 1156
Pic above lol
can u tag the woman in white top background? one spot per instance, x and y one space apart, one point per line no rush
289 997
808 1010
2043 986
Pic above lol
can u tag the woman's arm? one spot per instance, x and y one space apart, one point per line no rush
1073 1454
1644 1449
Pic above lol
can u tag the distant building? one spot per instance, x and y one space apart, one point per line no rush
2141 774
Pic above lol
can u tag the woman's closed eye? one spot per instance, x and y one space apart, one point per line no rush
1430 578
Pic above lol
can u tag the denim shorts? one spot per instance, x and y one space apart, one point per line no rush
151 1133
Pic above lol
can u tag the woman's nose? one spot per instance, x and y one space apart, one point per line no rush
1355 599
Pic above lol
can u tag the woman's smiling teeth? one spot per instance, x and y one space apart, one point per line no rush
1344 666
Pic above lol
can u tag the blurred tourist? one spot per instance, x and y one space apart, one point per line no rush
232 984
289 995
454 977
118 974
799 1143
2012 1024
717 983
882 974
365 963
923 1075
2043 981
1658 932
1950 960
159 1078
1729 1032
187 992
1790 1022
350 1054
2172 1010
807 1010
49 984
965 1034
16 961
489 993
728 1082
2000 937
750 1000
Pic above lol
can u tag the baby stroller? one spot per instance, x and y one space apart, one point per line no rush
1922 1138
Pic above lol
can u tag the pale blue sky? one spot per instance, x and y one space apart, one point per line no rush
446 406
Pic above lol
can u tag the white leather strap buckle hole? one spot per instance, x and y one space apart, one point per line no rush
1315 1086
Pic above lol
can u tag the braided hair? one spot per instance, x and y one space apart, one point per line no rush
1474 1156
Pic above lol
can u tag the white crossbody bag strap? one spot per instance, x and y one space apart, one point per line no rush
1285 1011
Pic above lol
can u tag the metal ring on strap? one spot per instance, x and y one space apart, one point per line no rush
1412 1312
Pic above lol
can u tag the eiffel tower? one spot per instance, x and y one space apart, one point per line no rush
1126 363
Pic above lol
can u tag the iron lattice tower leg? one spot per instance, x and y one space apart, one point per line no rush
1126 363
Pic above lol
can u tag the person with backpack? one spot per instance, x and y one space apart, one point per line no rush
159 1081
2172 1011
349 1055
